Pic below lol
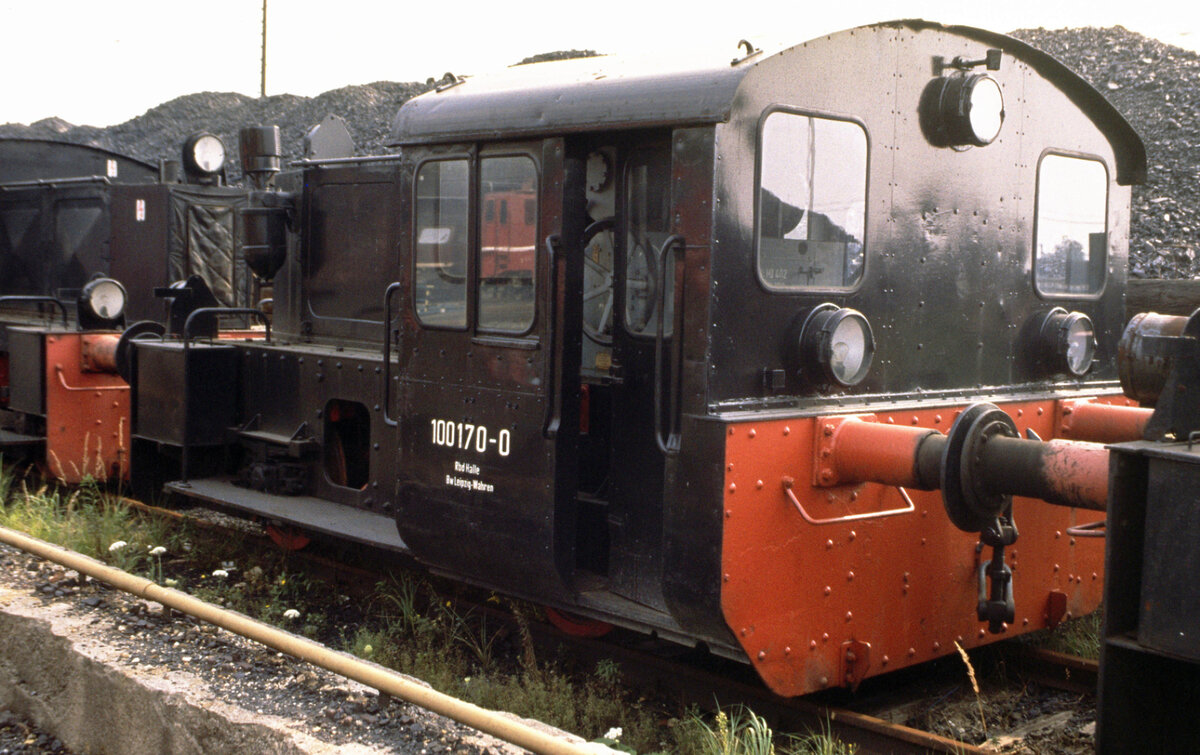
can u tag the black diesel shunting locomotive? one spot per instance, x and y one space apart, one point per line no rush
86 235
693 349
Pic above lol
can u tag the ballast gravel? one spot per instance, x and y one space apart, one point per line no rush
147 680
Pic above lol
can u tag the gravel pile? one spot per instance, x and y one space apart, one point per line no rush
1156 86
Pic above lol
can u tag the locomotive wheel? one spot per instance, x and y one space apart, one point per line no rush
577 626
598 281
139 330
970 508
287 538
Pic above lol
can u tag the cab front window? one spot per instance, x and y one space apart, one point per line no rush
1071 247
811 205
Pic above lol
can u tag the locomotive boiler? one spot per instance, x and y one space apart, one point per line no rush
771 353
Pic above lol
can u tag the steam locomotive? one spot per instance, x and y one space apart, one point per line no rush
771 354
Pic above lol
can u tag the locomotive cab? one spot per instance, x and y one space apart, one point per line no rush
591 339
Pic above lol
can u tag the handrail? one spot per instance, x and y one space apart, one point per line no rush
35 299
554 395
668 444
788 482
387 354
192 317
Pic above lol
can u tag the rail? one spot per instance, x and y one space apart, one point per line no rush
37 300
387 682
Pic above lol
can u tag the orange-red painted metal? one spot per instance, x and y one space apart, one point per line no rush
858 447
87 414
794 594
99 352
1091 420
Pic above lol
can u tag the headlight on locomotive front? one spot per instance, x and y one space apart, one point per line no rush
1067 341
203 155
837 342
963 110
103 299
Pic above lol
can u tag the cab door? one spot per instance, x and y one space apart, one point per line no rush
486 432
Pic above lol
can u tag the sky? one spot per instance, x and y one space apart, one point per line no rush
102 63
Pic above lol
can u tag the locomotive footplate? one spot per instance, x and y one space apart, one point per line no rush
305 512
11 439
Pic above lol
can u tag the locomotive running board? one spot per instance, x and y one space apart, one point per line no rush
10 439
305 512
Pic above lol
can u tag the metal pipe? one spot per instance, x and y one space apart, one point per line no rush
387 682
1063 472
886 454
1090 420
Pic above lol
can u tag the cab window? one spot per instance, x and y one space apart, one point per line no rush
647 227
1071 246
812 195
507 243
441 243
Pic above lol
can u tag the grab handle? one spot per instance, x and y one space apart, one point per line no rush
667 443
388 419
789 482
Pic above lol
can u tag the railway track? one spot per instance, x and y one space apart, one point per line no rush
690 683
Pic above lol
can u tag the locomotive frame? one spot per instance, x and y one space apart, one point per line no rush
706 411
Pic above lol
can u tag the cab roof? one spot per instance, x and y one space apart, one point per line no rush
601 93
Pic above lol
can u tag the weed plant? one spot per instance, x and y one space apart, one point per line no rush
409 624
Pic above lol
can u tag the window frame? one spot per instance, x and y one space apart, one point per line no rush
757 192
1036 227
469 303
502 211
473 157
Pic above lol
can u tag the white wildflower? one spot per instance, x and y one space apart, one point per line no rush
220 573
157 550
291 613
614 733
117 546
171 582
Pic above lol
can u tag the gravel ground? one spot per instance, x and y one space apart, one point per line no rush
149 640
1156 86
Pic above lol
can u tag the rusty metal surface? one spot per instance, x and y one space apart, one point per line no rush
793 593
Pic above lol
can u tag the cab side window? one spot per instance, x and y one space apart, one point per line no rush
1071 245
441 243
507 243
812 195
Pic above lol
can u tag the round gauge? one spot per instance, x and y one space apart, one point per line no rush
599 171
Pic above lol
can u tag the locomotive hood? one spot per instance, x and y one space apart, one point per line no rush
610 92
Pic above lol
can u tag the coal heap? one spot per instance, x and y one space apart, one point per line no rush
1155 85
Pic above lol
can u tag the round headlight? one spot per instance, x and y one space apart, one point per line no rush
962 110
203 153
1068 341
104 298
985 109
838 341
